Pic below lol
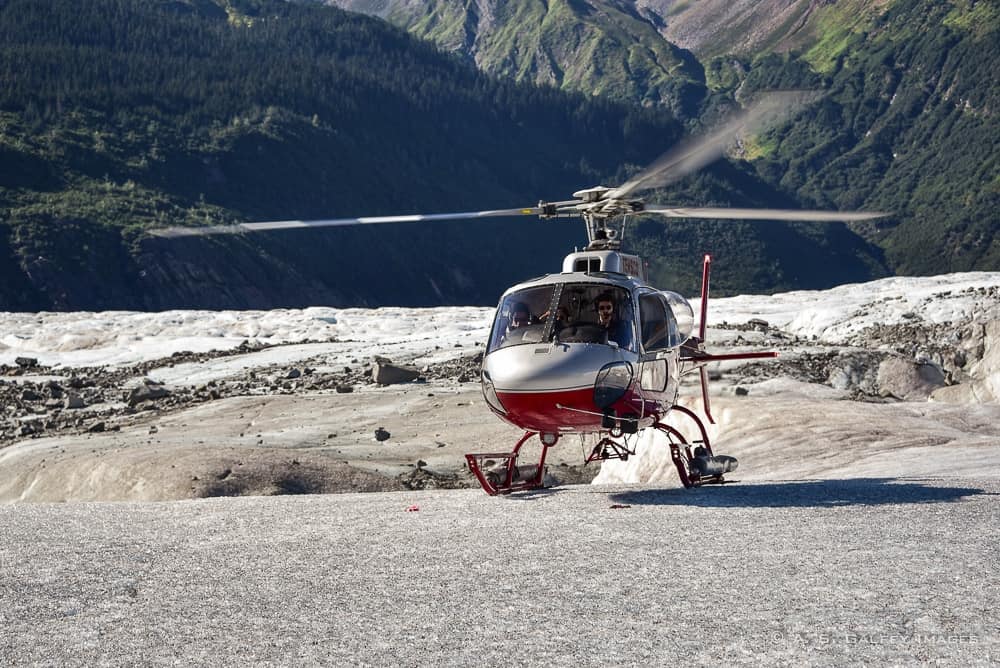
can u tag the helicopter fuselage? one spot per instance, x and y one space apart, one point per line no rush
571 367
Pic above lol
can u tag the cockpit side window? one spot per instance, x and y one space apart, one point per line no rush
657 322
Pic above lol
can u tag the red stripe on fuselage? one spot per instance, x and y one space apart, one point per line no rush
539 411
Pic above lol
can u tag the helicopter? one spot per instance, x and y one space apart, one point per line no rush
594 349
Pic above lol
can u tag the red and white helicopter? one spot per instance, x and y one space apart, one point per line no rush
594 349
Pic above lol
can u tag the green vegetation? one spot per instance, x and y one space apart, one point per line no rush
836 29
978 18
598 47
908 125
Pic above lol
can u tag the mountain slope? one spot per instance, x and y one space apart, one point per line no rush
748 27
910 125
600 47
123 114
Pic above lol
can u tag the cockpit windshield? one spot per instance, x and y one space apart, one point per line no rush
568 313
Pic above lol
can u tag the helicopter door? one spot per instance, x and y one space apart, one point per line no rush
659 333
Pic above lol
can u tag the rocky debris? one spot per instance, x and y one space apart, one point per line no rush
381 434
26 362
148 390
74 401
965 354
866 374
260 474
387 373
981 380
462 369
907 380
931 356
107 392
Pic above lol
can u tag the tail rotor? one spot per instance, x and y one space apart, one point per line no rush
706 270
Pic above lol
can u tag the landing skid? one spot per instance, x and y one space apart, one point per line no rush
696 464
503 475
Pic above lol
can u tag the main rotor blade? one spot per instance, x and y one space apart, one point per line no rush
239 228
693 155
761 214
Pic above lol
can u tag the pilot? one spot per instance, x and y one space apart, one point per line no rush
520 318
520 315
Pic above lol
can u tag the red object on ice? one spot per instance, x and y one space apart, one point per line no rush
413 509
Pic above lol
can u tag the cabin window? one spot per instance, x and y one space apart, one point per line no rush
567 313
579 318
658 326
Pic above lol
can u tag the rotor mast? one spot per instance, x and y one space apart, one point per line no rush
605 217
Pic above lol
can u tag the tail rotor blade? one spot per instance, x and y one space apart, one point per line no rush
706 270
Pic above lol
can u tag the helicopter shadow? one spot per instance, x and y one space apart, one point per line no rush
801 494
530 494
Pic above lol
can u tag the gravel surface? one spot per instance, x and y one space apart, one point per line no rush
823 572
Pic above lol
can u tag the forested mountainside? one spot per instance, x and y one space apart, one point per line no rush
749 27
121 115
908 123
599 47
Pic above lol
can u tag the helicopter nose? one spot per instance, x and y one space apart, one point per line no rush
549 368
549 388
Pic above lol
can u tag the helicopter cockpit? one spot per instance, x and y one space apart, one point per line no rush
567 313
